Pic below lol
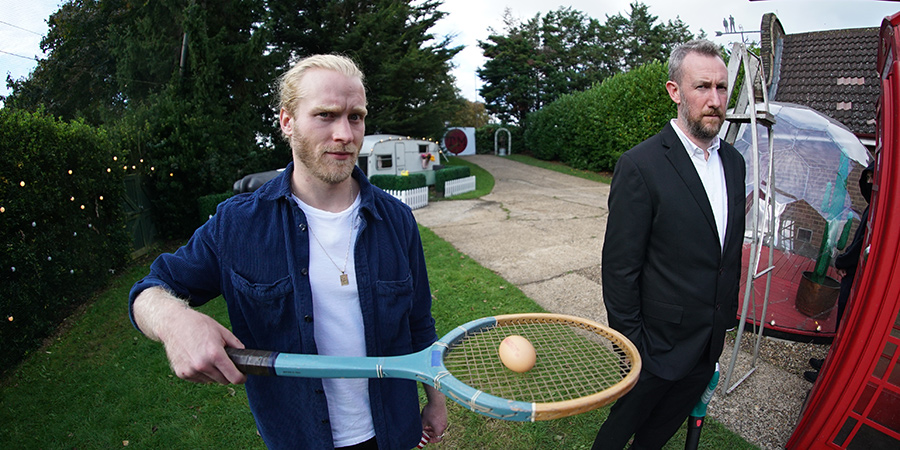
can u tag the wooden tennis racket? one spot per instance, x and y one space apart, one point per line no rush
581 365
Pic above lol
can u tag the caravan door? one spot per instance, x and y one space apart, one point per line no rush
400 157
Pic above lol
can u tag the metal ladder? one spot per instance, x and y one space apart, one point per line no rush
748 111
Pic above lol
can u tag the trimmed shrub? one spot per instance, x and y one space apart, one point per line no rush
61 223
635 107
208 203
589 130
398 182
449 173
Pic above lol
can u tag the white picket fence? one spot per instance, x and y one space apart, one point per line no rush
414 198
459 186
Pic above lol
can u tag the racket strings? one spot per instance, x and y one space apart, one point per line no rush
573 360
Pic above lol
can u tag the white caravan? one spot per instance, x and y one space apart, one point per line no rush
387 154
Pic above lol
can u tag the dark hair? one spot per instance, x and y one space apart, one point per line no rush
701 46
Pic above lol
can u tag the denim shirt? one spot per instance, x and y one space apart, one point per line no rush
255 253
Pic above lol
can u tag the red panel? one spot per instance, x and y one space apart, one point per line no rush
865 333
886 410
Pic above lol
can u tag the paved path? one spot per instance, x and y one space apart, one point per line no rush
543 231
539 229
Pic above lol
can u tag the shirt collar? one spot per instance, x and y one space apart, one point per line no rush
693 149
280 188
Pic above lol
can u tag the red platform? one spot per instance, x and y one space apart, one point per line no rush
782 317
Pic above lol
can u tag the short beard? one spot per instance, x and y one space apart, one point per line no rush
325 169
696 127
702 132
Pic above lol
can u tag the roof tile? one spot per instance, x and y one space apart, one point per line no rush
834 72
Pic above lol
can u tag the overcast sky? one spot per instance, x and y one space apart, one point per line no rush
23 23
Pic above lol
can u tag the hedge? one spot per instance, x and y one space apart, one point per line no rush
61 223
398 182
589 130
208 204
449 173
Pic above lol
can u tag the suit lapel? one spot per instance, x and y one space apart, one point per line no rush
678 157
736 187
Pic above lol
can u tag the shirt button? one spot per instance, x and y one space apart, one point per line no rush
302 227
324 421
320 391
308 318
304 271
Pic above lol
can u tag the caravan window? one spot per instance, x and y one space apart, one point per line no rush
423 148
385 161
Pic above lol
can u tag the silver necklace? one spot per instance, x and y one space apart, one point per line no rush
345 279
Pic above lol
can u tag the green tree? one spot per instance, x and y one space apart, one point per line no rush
572 54
183 83
534 63
471 114
510 74
187 85
77 79
641 40
410 88
201 129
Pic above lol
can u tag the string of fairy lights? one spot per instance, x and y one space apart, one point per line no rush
134 168
83 207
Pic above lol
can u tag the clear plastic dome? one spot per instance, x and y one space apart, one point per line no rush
814 159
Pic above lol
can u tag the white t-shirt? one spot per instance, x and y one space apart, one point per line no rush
712 175
338 318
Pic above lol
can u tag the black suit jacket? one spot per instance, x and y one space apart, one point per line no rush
667 284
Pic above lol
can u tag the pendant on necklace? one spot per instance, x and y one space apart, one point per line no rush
345 280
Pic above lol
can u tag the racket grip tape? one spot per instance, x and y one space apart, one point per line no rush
253 362
424 441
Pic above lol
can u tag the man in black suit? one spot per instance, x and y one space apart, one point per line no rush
672 253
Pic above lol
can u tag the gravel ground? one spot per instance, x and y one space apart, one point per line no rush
543 232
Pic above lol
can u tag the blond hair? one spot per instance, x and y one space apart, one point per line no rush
289 91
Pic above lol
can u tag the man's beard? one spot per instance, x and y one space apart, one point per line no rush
696 127
329 170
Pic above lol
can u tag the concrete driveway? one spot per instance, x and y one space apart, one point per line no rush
538 229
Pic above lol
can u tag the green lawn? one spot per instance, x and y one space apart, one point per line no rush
99 384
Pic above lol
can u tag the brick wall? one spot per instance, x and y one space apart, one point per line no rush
804 226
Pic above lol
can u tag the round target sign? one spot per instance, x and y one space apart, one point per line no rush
456 141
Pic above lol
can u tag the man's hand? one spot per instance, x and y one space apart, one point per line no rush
195 343
434 414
